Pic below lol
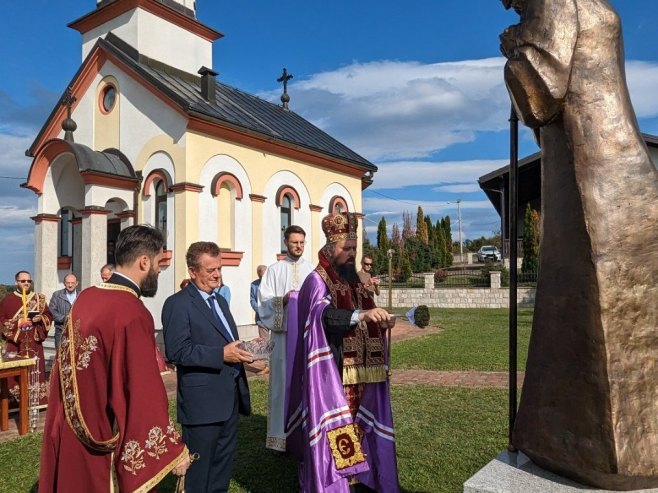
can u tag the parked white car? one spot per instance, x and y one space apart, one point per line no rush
489 252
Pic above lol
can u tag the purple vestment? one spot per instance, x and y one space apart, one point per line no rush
321 431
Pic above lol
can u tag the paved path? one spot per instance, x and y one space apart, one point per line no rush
403 330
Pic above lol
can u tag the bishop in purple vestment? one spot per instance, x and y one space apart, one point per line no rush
338 409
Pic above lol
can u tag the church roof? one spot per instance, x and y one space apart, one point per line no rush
110 161
231 107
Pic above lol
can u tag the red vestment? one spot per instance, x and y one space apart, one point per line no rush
11 313
108 413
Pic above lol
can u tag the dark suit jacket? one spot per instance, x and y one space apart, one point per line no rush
195 342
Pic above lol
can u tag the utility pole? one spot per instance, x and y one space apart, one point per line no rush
459 221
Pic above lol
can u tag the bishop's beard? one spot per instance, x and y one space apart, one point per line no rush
347 272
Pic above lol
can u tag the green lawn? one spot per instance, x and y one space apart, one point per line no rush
444 435
472 339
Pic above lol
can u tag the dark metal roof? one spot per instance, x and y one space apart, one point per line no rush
110 161
233 106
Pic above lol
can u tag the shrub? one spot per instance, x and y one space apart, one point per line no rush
440 275
422 316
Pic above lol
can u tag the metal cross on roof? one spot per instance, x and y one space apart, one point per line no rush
68 125
285 77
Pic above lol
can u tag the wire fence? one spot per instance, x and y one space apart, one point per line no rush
462 278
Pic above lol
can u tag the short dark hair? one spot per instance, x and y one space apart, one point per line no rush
21 272
135 241
292 230
197 249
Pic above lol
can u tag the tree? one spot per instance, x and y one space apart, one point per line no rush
407 226
382 237
530 240
421 227
380 260
396 238
419 254
368 249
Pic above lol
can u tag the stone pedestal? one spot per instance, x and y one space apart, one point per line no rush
515 473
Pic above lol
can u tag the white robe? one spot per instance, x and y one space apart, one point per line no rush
286 275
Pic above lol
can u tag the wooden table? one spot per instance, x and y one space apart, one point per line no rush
17 367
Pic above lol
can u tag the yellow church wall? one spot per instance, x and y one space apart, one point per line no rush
260 166
106 125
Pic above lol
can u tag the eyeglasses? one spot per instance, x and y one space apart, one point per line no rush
29 281
367 265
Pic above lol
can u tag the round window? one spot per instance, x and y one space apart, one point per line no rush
109 98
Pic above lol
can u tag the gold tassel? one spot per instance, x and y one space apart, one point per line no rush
353 375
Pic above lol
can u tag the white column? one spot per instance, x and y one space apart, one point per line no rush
127 218
45 253
94 245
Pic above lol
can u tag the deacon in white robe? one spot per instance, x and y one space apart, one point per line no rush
280 278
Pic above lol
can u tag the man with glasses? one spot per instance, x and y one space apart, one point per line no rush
24 323
370 282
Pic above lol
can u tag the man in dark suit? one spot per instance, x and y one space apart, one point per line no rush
201 339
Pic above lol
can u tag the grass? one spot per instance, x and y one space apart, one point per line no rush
472 339
444 435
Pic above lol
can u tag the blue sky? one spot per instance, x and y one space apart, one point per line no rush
415 87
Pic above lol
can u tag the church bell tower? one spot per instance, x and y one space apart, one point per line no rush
162 30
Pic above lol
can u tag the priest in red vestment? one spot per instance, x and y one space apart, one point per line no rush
24 323
107 426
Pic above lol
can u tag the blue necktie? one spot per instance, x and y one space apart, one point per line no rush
211 303
235 367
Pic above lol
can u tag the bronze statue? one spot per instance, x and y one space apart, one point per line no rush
589 406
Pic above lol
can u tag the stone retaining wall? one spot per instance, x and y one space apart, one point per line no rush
457 297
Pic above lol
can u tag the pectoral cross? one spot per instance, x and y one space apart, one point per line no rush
285 77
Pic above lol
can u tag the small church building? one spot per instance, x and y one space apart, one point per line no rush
146 134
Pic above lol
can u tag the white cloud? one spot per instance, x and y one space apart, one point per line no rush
381 206
407 173
13 162
14 216
408 110
392 110
458 188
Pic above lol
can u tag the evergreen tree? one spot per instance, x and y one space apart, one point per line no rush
435 259
368 250
380 261
382 237
531 240
421 227
447 232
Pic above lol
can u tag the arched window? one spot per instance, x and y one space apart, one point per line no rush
337 204
286 217
161 207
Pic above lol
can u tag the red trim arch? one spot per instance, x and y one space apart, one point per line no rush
335 201
288 190
42 161
222 178
153 176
